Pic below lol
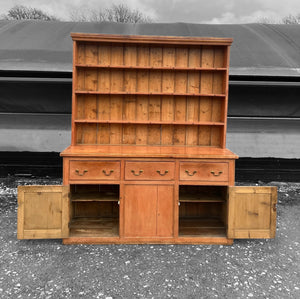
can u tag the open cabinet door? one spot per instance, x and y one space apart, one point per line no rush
43 212
252 212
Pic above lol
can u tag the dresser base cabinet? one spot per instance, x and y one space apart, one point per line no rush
156 214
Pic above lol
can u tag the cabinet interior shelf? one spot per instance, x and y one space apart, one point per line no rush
185 123
131 93
94 227
200 198
159 68
82 197
196 227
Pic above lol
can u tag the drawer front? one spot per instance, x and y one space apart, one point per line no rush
204 171
157 171
94 170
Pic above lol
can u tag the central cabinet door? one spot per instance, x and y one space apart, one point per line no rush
149 211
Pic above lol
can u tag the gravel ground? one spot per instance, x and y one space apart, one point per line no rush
248 268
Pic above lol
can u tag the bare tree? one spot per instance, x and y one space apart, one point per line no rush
290 19
123 14
266 20
116 13
20 12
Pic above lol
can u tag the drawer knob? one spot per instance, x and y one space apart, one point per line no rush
216 174
137 174
81 174
109 173
191 173
162 174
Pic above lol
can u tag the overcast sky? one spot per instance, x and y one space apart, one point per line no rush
192 11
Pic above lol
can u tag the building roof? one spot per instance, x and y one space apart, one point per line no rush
257 49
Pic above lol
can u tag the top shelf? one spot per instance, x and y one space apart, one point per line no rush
158 68
151 39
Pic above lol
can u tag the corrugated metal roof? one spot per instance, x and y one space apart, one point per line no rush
257 50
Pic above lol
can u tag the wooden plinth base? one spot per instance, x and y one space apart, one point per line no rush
105 231
180 240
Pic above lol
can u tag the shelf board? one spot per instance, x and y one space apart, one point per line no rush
195 227
149 93
137 122
159 68
151 40
81 197
94 227
210 198
201 200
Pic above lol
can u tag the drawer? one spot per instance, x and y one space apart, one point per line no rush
204 171
94 170
157 171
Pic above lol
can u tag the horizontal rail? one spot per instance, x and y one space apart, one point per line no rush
264 83
36 79
148 93
185 123
138 67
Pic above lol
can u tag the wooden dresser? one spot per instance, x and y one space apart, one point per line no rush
148 161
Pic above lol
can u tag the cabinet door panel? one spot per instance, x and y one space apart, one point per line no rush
252 212
165 211
140 211
43 212
148 211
